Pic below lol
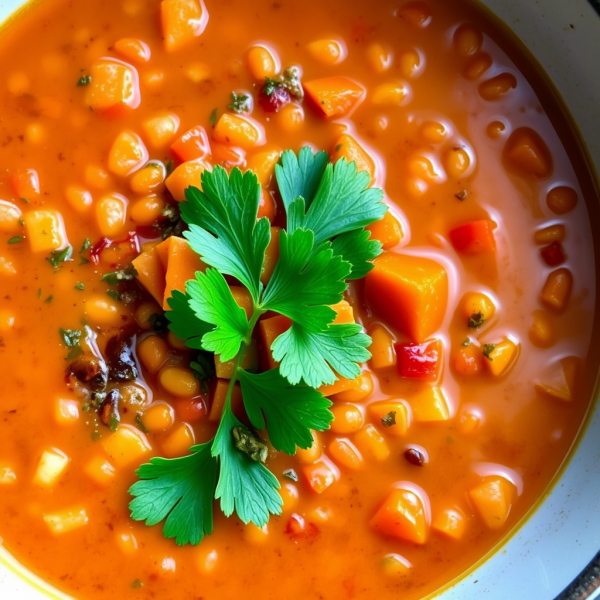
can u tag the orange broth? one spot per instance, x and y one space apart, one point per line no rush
440 106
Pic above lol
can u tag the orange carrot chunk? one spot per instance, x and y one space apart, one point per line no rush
334 96
388 231
347 147
186 175
114 87
320 475
25 183
493 500
182 22
402 516
476 237
151 273
191 145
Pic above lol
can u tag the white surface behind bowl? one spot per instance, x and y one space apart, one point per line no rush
563 535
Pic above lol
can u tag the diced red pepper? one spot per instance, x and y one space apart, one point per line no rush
297 528
476 237
193 144
104 243
553 254
25 183
419 361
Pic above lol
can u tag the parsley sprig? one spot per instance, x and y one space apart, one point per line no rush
324 245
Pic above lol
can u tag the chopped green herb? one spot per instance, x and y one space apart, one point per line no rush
291 474
96 435
59 256
338 147
25 200
22 222
250 444
476 320
204 369
289 80
16 239
115 419
240 103
114 295
169 167
450 440
158 323
137 584
79 285
467 342
84 80
49 299
140 424
487 349
389 419
127 274
83 261
39 293
70 337
85 246
213 117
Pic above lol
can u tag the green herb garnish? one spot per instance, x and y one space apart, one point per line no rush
466 342
59 256
114 295
16 239
240 103
140 424
80 285
127 274
476 320
84 80
213 117
290 474
389 419
85 246
25 200
49 299
487 349
322 247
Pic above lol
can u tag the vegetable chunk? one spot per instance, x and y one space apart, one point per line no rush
114 87
410 292
559 379
45 230
335 96
182 22
476 237
493 500
402 515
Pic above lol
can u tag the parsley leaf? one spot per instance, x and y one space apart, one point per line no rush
183 321
290 411
58 256
212 301
179 490
476 320
301 287
356 248
245 486
240 103
223 226
127 274
310 357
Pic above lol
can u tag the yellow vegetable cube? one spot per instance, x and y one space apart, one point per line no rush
66 520
99 470
127 154
66 412
501 357
429 405
451 522
51 466
395 424
492 499
371 443
125 446
559 379
45 230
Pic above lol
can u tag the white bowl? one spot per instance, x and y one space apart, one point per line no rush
562 533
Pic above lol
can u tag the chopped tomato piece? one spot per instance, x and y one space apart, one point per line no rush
419 361
553 254
191 145
298 528
476 237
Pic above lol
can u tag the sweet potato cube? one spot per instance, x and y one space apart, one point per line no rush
151 273
450 522
388 231
114 87
347 147
342 384
390 416
181 264
409 292
429 405
161 129
186 175
334 96
263 164
182 22
193 144
492 499
236 130
345 454
371 443
344 313
501 357
559 379
25 183
45 230
125 446
402 515
527 154
127 154
99 470
320 475
476 237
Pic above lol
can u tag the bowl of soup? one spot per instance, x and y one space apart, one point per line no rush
298 299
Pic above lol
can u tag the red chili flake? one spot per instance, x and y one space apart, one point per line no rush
297 528
131 239
553 254
274 101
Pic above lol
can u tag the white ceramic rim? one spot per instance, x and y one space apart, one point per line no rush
561 536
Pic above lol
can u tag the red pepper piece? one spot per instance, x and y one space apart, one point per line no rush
131 239
476 237
553 254
419 361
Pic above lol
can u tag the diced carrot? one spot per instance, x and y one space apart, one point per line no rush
266 206
161 129
468 360
388 231
126 445
344 313
45 230
383 353
182 22
429 405
263 164
320 475
224 370
395 424
114 87
347 147
559 379
218 400
236 130
476 237
527 153
243 298
410 292
345 453
371 443
186 175
180 263
133 49
191 145
271 255
340 385
270 329
128 154
228 156
451 522
419 361
25 183
492 499
402 515
151 273
501 357
100 470
357 393
334 96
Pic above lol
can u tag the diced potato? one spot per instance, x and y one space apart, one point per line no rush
263 164
66 412
127 154
100 470
114 86
188 174
25 183
410 292
9 217
492 499
348 147
342 384
371 443
402 515
394 425
321 475
45 230
501 357
429 405
7 476
383 353
344 313
125 446
559 379
133 49
182 22
394 565
111 214
66 520
51 466
451 522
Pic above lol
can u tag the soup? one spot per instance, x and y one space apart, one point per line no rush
126 127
